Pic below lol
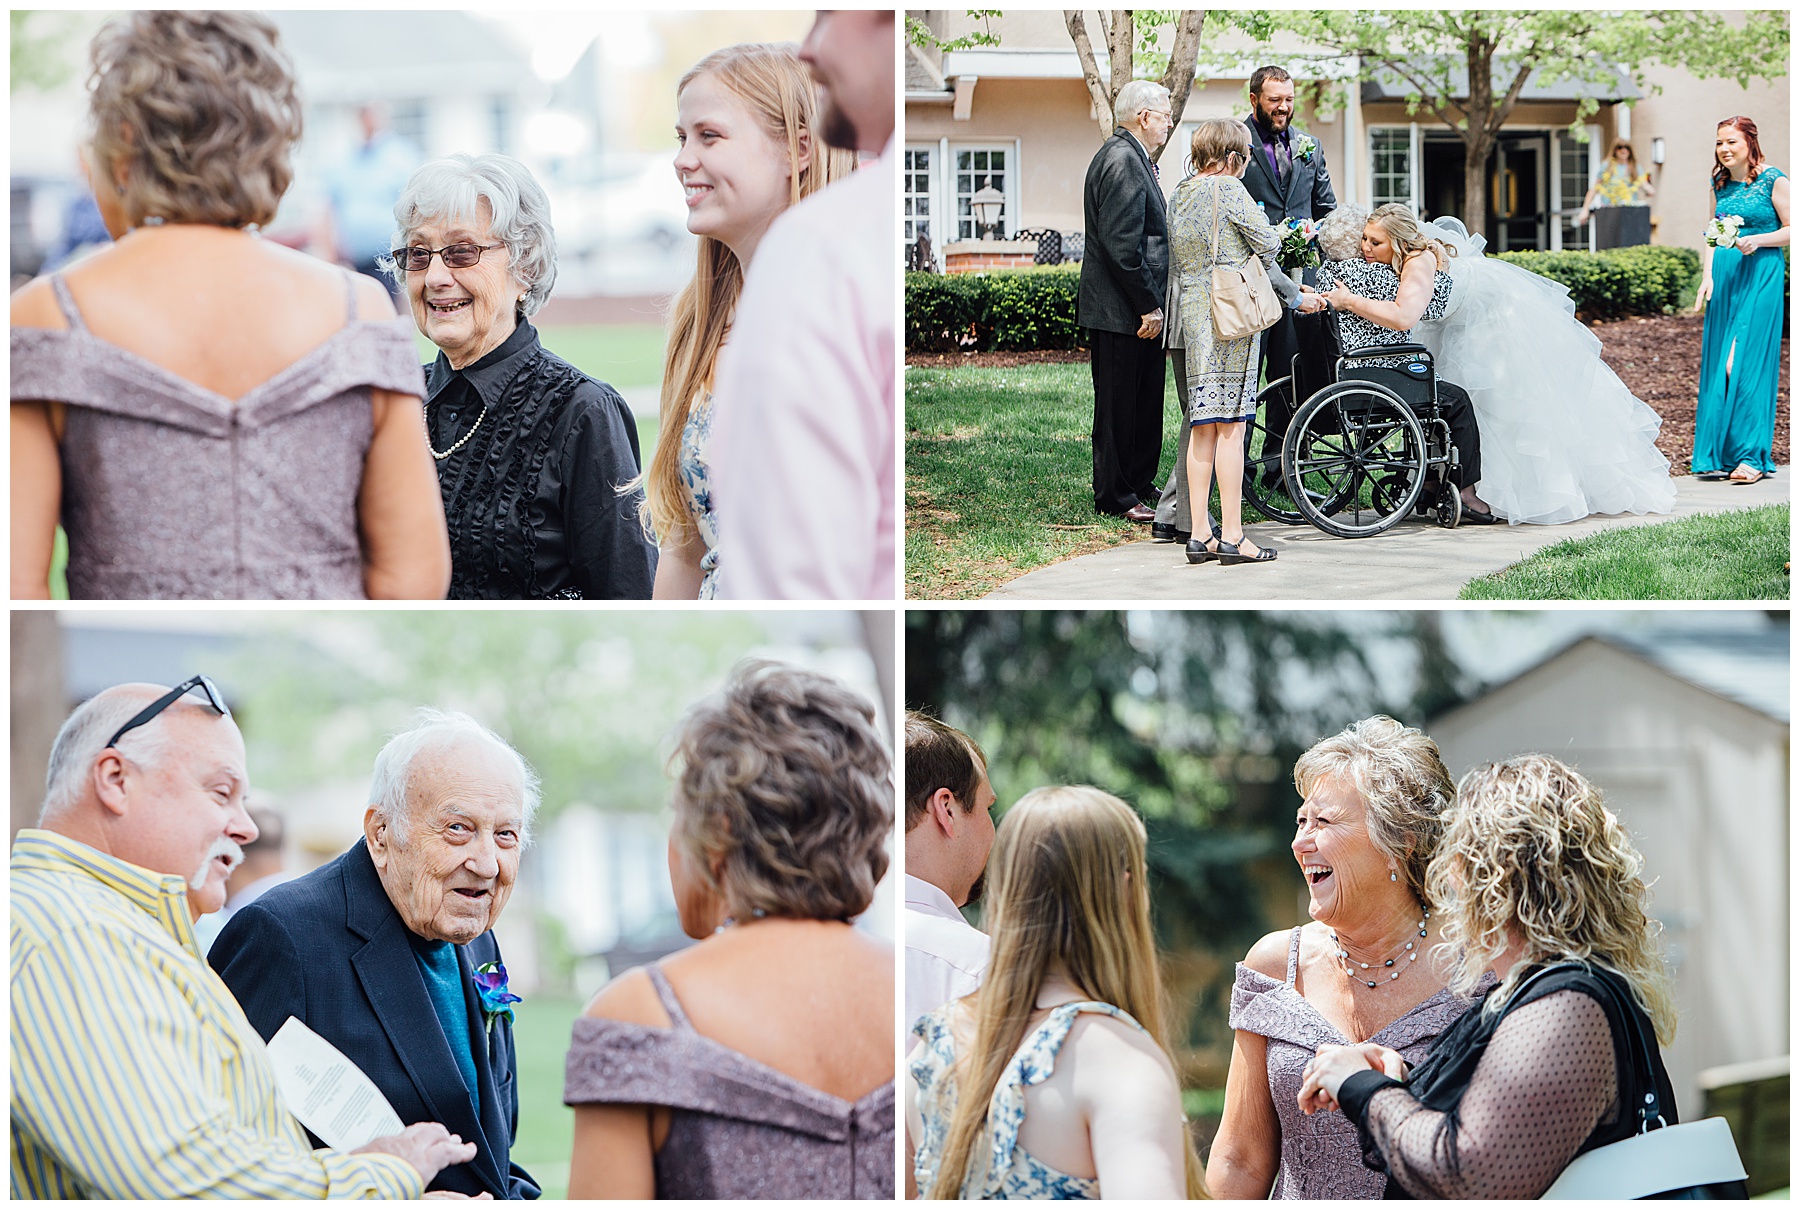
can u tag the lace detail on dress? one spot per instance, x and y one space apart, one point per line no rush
1009 1172
696 476
1546 1081
1321 1156
174 491
1753 201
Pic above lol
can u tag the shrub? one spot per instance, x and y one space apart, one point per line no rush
1012 310
1646 280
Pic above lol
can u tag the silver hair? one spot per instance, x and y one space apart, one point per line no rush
1340 232
433 728
1136 95
453 189
83 737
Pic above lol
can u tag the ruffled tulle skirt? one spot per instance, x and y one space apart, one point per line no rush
1561 436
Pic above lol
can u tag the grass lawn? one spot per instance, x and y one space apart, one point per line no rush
546 1125
1734 556
999 465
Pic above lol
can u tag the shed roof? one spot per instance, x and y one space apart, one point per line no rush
1388 86
1750 669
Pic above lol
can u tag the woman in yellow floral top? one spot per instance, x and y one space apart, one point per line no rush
1619 183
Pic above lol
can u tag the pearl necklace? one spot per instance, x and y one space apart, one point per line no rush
465 437
1407 952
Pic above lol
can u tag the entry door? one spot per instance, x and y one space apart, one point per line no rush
1519 194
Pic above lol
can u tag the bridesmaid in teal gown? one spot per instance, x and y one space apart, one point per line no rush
1734 424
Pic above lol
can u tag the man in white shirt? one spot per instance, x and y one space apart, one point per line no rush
802 447
948 834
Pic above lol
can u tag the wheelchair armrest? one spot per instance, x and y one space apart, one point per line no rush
1405 350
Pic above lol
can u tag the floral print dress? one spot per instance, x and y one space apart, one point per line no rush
696 476
1221 373
1001 1169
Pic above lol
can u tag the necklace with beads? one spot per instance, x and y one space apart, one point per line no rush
1395 966
465 437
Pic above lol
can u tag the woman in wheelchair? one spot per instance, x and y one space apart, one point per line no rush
1563 436
1398 281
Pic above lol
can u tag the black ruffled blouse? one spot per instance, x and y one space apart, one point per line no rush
531 497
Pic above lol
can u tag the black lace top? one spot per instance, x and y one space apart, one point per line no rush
532 496
1505 1101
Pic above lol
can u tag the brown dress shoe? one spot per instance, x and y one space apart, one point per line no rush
1143 514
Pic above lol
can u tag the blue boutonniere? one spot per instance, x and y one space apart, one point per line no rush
496 999
1304 147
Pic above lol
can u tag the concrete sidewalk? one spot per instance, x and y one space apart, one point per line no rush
1413 561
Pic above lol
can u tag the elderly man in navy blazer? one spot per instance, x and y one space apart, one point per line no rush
1124 276
378 951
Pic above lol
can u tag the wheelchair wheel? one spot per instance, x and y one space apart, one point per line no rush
1265 486
1354 459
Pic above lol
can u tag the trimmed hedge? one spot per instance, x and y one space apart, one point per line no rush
1645 280
1024 309
1010 310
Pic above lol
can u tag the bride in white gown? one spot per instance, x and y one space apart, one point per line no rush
1561 436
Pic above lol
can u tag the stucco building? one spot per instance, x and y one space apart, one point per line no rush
1017 117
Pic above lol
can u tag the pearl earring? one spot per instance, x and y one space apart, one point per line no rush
1393 877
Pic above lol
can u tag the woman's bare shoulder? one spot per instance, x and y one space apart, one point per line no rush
630 998
1269 955
34 306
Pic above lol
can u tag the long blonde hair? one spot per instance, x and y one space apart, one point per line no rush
1407 234
770 79
1530 848
1067 881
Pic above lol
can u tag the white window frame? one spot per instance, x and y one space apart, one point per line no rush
934 196
1009 218
1414 167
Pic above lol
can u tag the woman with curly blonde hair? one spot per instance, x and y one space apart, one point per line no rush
1055 1080
749 148
1537 883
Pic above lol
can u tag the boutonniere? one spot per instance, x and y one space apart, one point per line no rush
496 999
1304 146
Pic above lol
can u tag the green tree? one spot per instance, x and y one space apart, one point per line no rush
1468 68
1134 50
41 48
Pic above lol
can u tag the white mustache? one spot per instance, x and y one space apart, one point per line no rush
224 847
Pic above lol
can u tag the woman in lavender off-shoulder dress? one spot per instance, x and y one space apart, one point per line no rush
206 414
1375 796
760 1062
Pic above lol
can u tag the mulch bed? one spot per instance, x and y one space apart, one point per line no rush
1657 357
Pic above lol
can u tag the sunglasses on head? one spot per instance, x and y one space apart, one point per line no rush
214 698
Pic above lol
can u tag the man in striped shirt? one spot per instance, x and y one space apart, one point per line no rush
134 1072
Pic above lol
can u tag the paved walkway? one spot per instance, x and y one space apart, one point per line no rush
1413 561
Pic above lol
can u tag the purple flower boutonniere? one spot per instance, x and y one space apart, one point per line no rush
496 1000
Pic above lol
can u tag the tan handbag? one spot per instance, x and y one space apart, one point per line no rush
1243 300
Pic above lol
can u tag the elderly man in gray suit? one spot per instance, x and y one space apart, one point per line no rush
1124 274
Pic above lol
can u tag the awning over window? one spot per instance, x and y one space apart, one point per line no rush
1388 86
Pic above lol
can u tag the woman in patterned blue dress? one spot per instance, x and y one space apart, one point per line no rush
1741 290
746 124
990 1111
1215 222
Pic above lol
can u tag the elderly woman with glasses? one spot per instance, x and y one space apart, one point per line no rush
531 452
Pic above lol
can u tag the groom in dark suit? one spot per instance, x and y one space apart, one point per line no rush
377 951
1287 175
1124 275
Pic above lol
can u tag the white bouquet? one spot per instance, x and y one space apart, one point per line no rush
1722 231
